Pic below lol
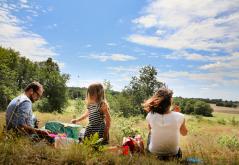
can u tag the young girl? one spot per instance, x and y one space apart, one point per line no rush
98 113
165 126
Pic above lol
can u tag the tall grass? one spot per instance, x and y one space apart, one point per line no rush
208 140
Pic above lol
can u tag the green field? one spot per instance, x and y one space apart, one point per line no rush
214 140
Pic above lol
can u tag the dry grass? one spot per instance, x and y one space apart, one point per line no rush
225 109
209 140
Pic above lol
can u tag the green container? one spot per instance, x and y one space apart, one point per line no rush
71 130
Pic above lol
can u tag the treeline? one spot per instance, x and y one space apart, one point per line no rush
77 93
193 106
220 102
128 102
17 71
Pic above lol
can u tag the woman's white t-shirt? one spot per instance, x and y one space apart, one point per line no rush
165 132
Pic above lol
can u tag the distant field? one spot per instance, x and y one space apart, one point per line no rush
225 109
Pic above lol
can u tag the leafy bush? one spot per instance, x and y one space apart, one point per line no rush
194 106
202 108
189 108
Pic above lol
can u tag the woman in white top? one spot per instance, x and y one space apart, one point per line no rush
165 126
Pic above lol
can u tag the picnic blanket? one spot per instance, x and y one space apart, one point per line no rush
71 130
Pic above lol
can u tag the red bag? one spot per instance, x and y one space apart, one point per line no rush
136 144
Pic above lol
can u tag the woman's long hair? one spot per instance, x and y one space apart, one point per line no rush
160 102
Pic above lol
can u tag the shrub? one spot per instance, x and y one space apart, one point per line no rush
202 108
189 108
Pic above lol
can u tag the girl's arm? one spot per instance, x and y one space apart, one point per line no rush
82 117
105 111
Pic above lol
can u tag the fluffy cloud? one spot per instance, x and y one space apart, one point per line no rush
202 25
112 57
208 78
13 34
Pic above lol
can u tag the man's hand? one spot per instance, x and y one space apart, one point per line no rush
44 133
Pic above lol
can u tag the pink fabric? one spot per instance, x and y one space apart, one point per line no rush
57 135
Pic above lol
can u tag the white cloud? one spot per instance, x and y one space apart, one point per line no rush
111 44
13 34
76 82
214 84
208 78
124 69
121 75
23 1
51 27
202 25
233 64
88 46
112 57
214 62
146 21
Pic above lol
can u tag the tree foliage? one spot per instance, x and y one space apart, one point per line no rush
16 72
141 88
193 106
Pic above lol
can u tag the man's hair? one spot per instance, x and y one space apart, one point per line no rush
34 86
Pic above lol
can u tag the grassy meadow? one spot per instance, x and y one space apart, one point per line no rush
214 140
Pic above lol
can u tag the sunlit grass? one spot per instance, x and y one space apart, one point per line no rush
208 140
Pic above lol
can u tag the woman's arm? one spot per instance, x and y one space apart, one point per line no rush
183 129
149 127
82 117
105 111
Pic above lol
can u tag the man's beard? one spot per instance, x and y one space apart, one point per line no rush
31 98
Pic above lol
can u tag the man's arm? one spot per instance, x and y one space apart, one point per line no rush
24 119
29 130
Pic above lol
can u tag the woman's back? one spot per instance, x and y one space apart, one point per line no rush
165 132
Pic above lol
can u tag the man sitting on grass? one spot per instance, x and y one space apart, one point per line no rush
19 115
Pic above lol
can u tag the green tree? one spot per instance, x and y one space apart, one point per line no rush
202 108
142 87
8 76
55 89
26 72
16 72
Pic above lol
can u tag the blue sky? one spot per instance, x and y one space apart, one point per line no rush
194 45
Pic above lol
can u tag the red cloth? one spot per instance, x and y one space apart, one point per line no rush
135 144
176 108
